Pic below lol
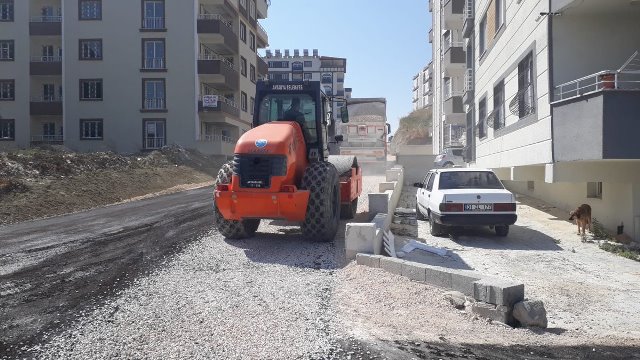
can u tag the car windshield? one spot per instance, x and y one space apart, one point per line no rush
469 180
291 107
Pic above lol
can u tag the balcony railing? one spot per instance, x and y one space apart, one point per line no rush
218 138
222 19
46 19
151 23
155 104
154 143
46 98
225 100
208 54
603 80
469 11
46 59
448 44
154 63
468 80
47 138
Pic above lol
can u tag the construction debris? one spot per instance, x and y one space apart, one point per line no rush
413 244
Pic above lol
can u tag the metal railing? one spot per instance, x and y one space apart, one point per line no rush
153 23
600 81
208 54
224 100
154 63
154 143
217 138
47 138
261 30
450 92
469 11
223 19
46 98
155 104
468 80
449 43
46 59
46 19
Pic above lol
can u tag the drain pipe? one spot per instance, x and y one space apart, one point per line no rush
550 62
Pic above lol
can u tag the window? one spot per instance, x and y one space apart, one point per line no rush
327 78
308 64
279 64
91 89
252 73
252 104
6 10
153 16
7 90
297 77
6 50
154 134
499 14
498 106
482 35
482 118
91 129
308 76
7 129
594 190
526 98
243 3
432 178
243 32
90 9
252 9
282 76
276 107
154 94
243 100
91 49
469 180
154 54
243 66
252 40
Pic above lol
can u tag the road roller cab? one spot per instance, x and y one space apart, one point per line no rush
282 168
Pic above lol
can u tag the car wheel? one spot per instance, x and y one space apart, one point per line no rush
502 230
436 229
419 215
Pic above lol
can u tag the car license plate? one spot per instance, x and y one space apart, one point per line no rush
478 207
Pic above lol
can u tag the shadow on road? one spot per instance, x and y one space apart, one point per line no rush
519 238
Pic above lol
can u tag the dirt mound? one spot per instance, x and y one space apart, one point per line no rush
414 129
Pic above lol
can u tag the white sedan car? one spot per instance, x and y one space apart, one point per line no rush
465 197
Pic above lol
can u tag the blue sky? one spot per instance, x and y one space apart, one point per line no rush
385 43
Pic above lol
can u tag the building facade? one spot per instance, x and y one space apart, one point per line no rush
299 66
126 75
551 103
423 87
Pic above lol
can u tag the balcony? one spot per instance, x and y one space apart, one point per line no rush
469 80
218 24
263 68
454 59
262 38
45 25
262 8
468 18
223 105
45 65
216 144
452 13
596 117
46 105
453 108
220 70
47 139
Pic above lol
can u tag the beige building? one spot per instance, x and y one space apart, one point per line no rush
129 75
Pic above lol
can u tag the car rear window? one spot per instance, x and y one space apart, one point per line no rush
469 180
457 152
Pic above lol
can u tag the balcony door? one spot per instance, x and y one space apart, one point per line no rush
154 134
47 53
48 92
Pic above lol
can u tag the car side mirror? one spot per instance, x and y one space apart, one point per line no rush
418 185
344 114
339 138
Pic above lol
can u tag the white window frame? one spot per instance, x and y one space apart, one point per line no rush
153 19
92 89
243 3
500 14
7 10
482 36
91 129
252 9
90 49
7 90
7 50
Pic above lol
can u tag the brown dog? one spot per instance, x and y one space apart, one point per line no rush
582 216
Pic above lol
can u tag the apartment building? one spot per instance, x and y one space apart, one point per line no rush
129 75
299 66
449 59
423 87
551 100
